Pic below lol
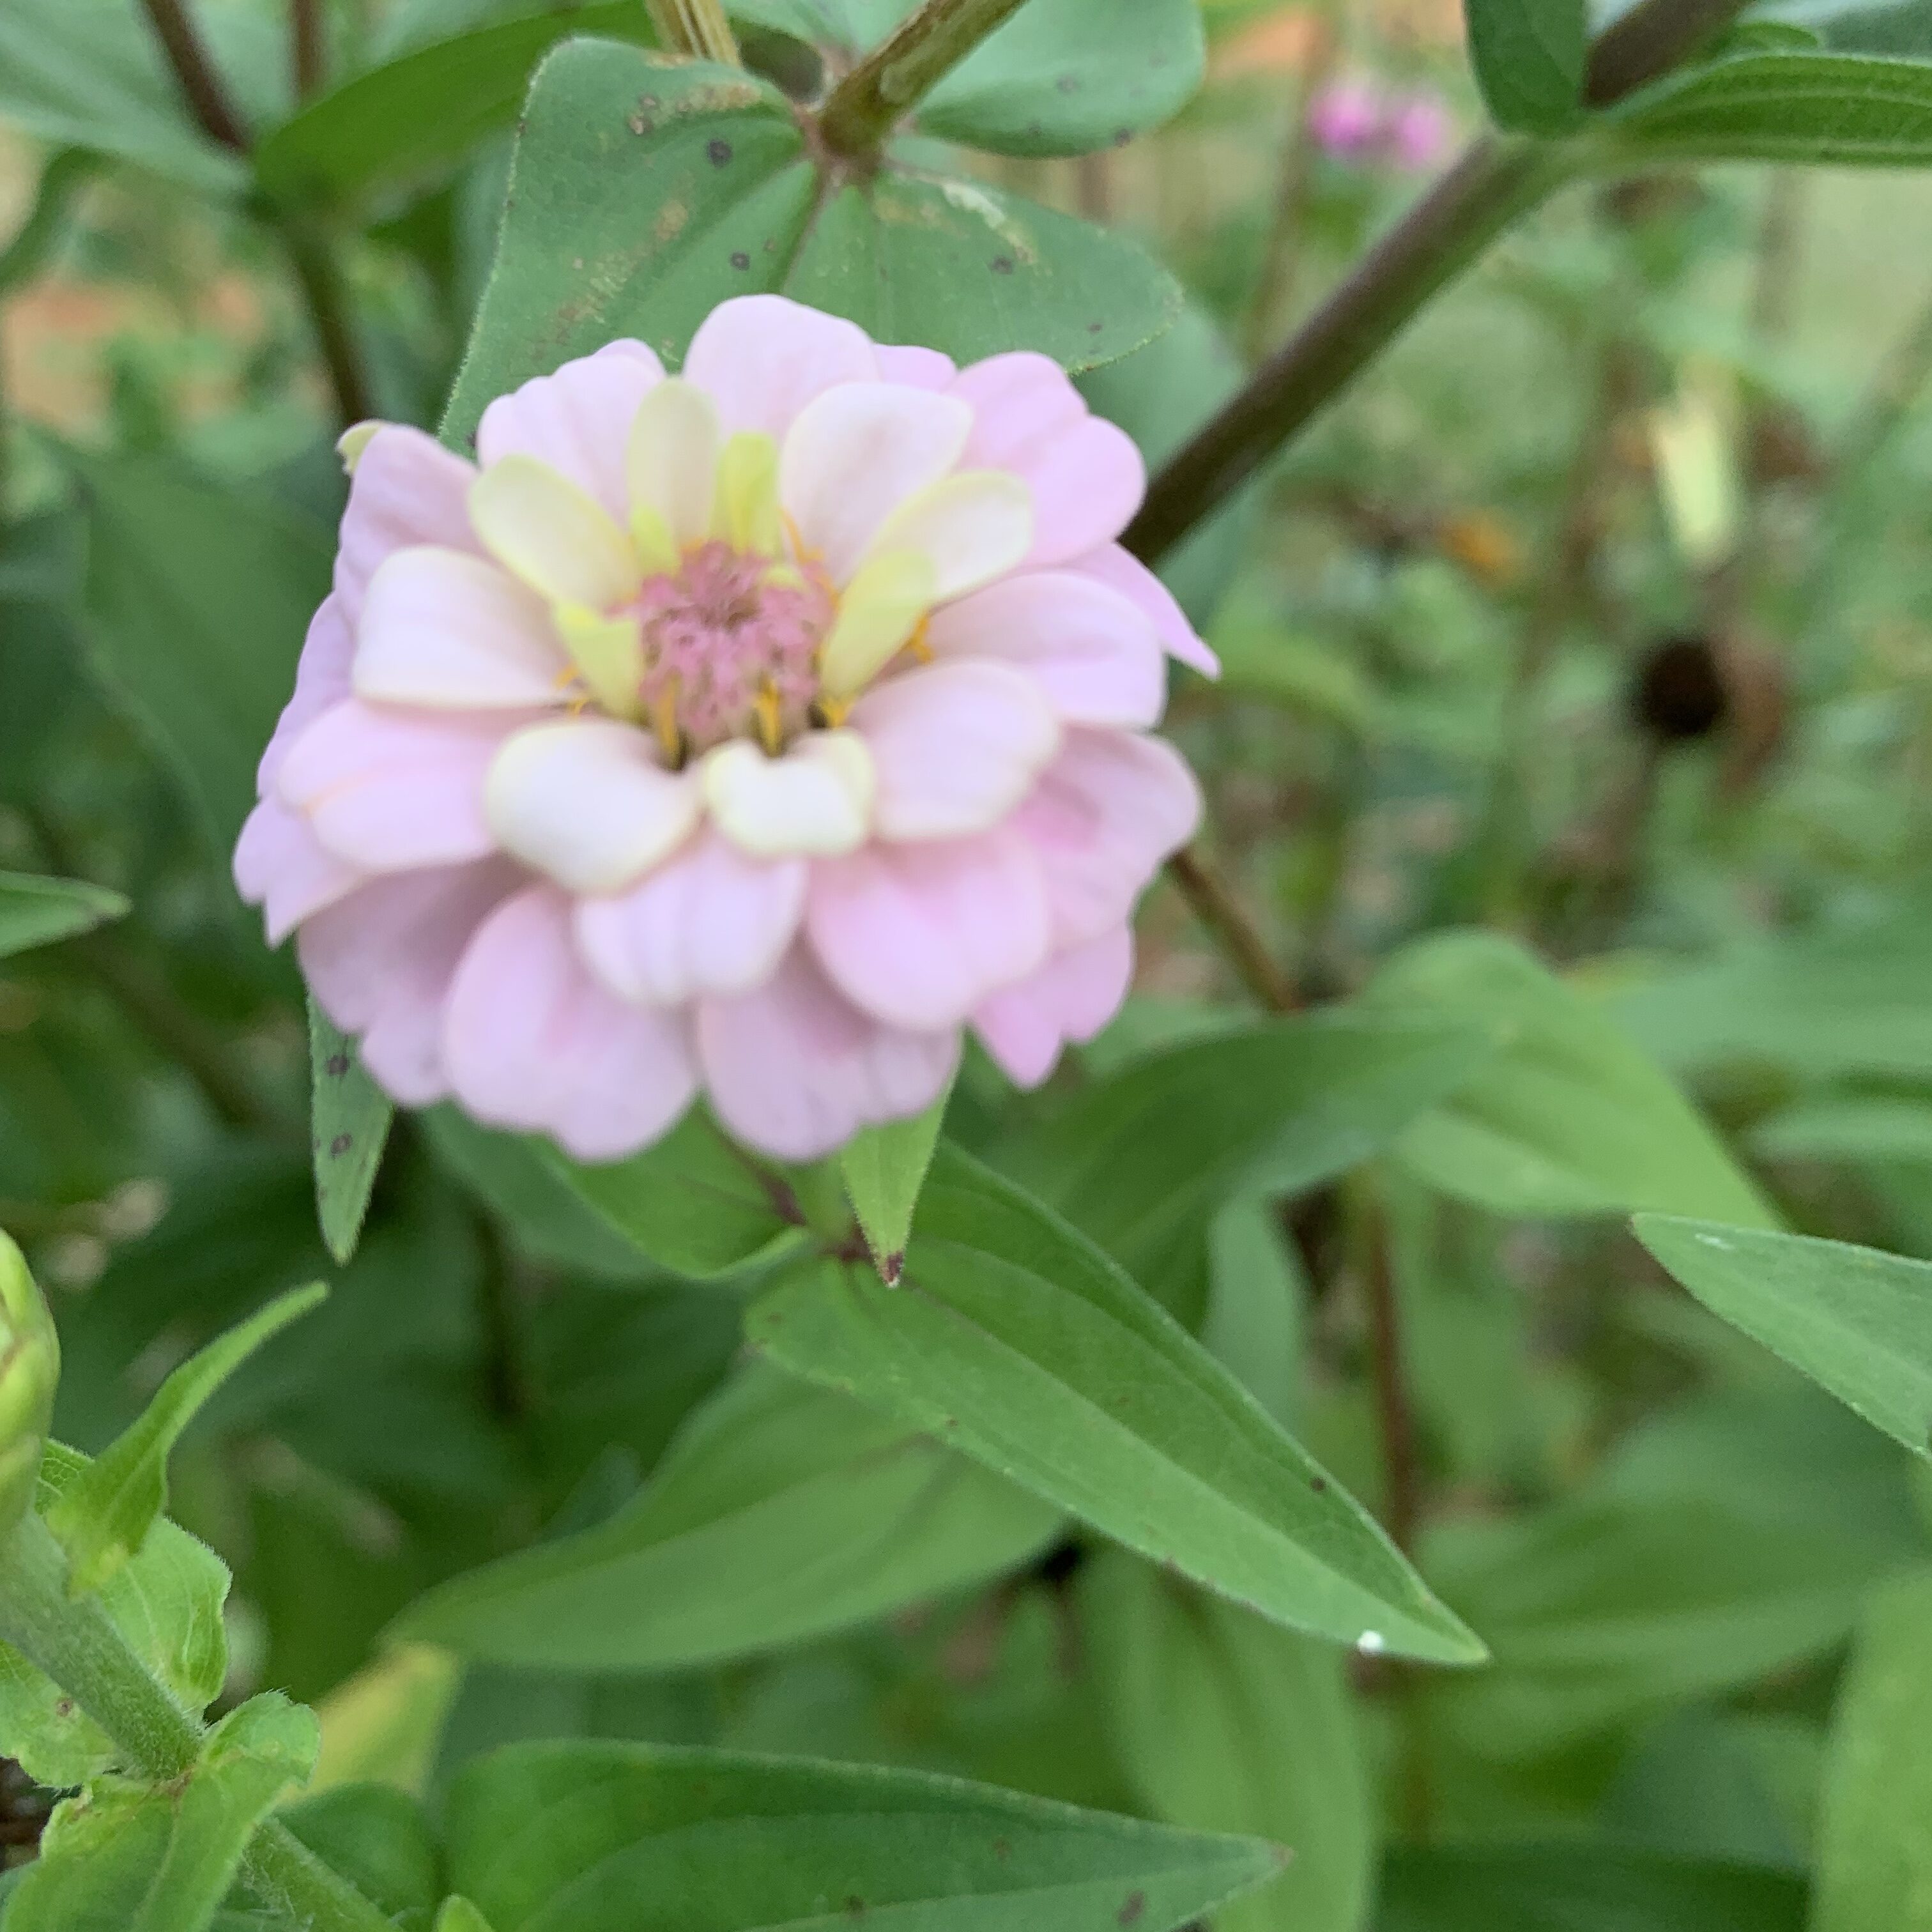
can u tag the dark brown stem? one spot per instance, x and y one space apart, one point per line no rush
305 49
320 279
1216 907
1497 179
194 72
904 68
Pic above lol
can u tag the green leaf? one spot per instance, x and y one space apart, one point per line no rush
1141 1161
733 205
1223 1722
1529 57
692 1203
458 1915
661 1840
884 1168
375 1837
127 1857
1017 1341
1067 76
1568 1888
37 912
1899 27
1855 1128
1800 110
198 598
104 1516
780 1512
166 1602
424 109
348 1124
1875 1846
1253 1321
29 1375
86 74
1569 1117
1856 1322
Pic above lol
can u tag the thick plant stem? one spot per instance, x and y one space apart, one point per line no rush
76 1643
305 46
1498 178
904 68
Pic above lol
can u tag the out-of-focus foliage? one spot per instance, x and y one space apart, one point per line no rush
1247 1385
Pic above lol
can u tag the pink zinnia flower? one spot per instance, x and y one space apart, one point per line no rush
1346 119
756 730
1420 132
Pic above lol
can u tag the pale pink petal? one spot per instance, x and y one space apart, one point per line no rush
955 746
713 919
533 1043
919 935
763 358
1122 571
407 489
855 455
443 628
322 680
387 789
1090 649
1066 1002
1086 474
577 421
917 368
1101 819
281 866
794 1071
380 965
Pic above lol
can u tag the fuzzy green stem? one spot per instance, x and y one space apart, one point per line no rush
904 68
77 1644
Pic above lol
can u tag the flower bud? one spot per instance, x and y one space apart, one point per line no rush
29 1368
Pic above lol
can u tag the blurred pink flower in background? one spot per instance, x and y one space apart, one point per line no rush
1357 120
753 731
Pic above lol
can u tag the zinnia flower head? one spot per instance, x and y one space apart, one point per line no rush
756 729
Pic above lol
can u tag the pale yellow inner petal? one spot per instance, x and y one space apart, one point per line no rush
671 460
608 655
878 612
542 528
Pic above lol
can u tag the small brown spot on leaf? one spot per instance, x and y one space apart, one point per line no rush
336 1065
719 151
1317 1483
670 224
1002 1849
855 1906
1130 1913
1068 83
739 260
340 1145
1003 265
891 1268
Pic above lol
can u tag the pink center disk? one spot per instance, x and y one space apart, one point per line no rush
716 635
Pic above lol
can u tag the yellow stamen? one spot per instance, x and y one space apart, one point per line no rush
834 710
920 642
663 718
770 722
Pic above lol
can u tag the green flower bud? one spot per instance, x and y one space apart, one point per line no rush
29 1368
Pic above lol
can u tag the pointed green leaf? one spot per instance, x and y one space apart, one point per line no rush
884 1169
1803 109
458 1915
29 1375
349 1124
1858 1322
661 1840
1529 57
426 108
104 1516
166 1602
373 1836
1569 1117
127 1857
1225 1723
781 1512
1016 1340
1142 1160
37 911
1875 1847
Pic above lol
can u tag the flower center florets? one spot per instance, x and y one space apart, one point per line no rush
731 647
